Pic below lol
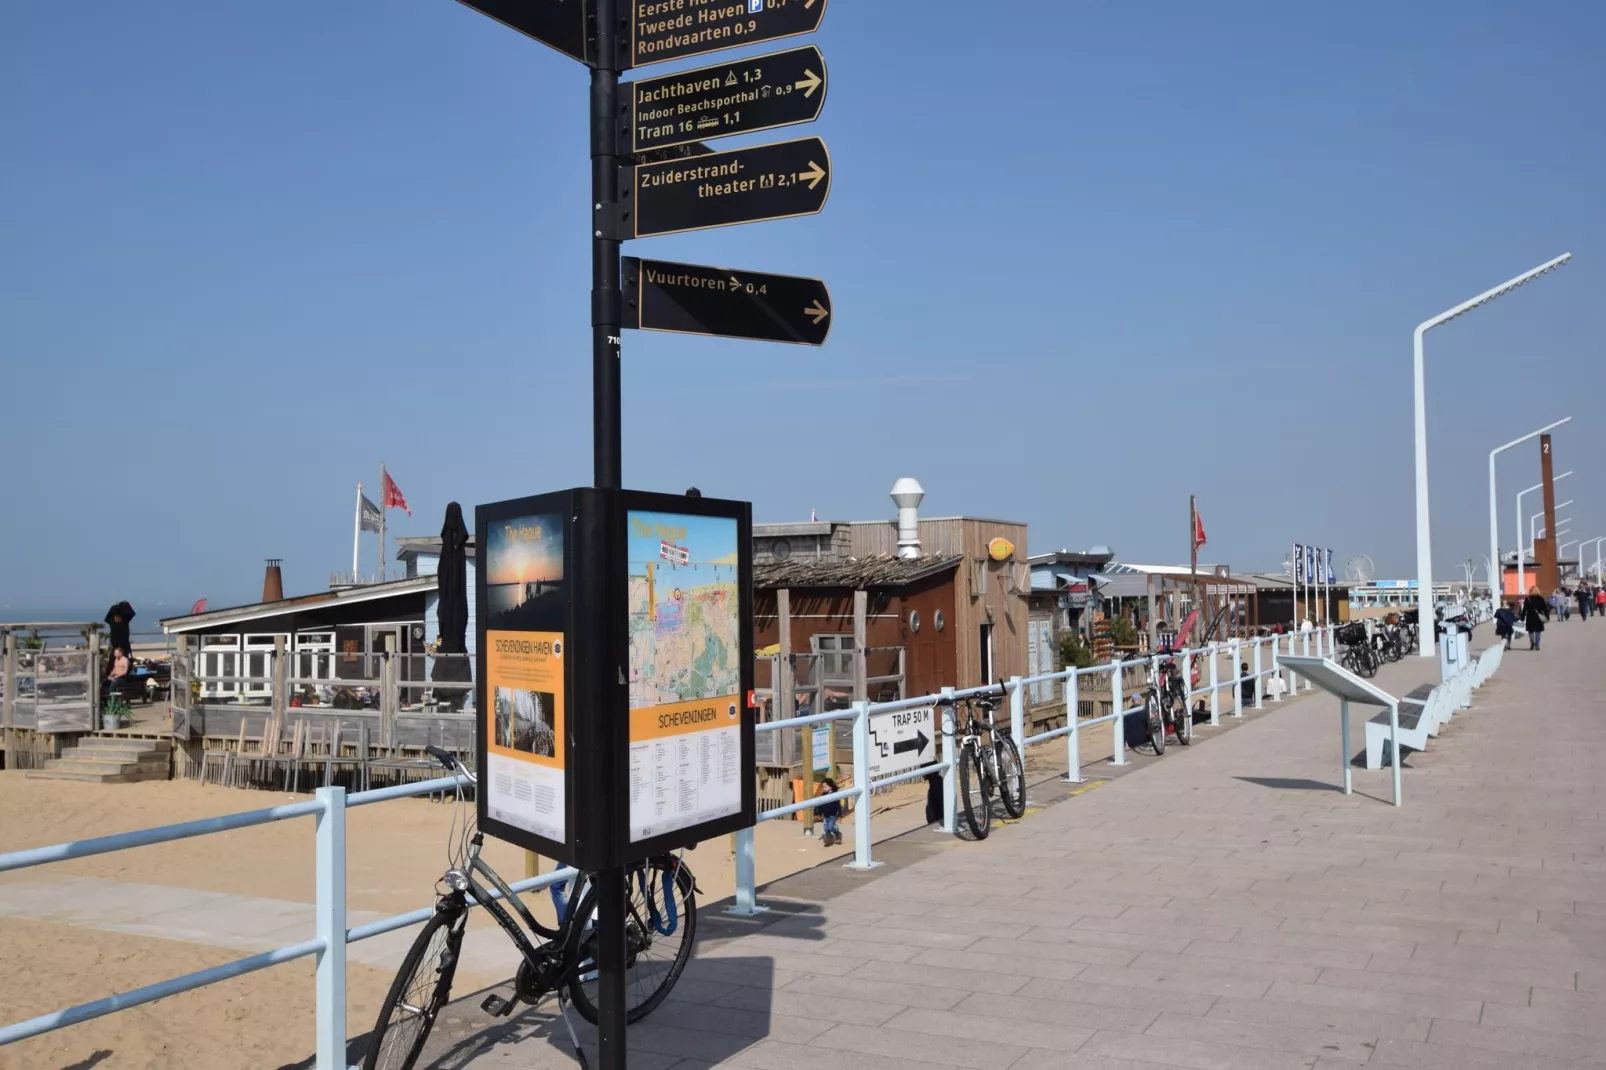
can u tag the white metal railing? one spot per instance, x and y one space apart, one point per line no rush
1264 653
328 945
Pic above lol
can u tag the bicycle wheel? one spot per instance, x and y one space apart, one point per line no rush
1011 777
418 993
1156 726
660 925
973 791
1184 721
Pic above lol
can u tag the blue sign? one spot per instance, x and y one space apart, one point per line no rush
1331 578
1299 564
1310 564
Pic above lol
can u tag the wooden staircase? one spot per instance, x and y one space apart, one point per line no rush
108 759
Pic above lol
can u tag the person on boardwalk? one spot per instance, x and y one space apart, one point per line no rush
1600 600
830 812
1505 621
1585 600
1535 611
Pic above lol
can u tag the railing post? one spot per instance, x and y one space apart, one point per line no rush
1073 740
1215 687
1118 702
1017 715
330 912
950 775
746 877
861 781
1304 650
1235 651
1260 681
1277 666
388 694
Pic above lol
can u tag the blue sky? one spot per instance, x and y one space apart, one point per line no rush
1085 259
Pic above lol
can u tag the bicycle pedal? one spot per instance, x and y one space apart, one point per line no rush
496 1006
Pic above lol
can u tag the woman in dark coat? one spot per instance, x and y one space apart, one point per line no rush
1535 611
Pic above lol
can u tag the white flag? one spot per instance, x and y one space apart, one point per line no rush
367 514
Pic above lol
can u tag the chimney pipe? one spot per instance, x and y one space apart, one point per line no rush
907 494
273 582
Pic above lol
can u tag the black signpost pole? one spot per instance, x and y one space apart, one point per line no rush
607 446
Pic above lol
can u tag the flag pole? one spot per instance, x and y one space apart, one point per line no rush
1193 544
356 535
382 507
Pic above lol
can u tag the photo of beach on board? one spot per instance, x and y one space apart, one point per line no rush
524 721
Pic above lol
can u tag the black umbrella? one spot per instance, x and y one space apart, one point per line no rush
451 612
118 617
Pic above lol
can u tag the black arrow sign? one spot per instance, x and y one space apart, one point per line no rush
673 29
761 93
917 744
722 189
560 24
725 302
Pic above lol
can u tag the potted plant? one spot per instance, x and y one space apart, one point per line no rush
115 715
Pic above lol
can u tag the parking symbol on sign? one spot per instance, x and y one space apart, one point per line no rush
755 6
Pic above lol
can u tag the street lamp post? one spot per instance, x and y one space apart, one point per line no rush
1424 541
1494 524
1596 542
1522 582
1533 522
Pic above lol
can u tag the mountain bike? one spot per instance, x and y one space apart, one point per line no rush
989 765
660 926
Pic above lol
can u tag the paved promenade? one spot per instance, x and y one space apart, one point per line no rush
1221 908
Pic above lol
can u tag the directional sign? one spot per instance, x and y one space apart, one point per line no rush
673 29
789 178
558 23
725 302
761 93
902 741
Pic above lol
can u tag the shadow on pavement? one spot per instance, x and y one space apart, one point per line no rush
1290 784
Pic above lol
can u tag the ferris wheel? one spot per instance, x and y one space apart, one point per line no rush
1360 569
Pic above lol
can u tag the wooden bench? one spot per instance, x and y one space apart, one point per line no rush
1419 718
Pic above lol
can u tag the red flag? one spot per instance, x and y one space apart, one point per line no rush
199 607
1198 530
393 496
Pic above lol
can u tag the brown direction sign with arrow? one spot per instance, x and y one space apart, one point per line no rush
560 24
725 302
722 189
761 93
674 29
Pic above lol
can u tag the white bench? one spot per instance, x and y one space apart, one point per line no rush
1422 712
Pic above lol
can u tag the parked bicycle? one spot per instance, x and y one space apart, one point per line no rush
660 926
1357 653
989 764
1166 702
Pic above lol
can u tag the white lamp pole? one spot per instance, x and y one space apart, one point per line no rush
1424 540
1533 522
1522 583
1596 542
1494 524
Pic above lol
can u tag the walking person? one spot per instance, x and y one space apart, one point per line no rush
1585 600
1505 623
830 812
1535 611
1600 600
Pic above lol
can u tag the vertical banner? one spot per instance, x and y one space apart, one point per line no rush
523 779
685 671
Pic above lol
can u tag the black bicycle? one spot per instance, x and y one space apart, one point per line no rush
660 926
989 765
1166 702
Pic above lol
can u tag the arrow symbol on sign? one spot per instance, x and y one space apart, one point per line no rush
817 313
813 174
917 744
810 82
736 284
807 4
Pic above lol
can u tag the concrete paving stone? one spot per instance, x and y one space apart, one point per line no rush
1158 920
1585 1020
1052 969
1114 996
1589 907
973 924
1027 915
1058 951
806 925
956 1023
1509 975
1404 934
1588 926
1311 1016
1478 958
877 934
963 980
1324 889
1451 904
928 1049
1017 1007
871 902
742 971
1245 969
1167 980
1419 1055
1041 1059
1516 1041
1192 1053
775 1055
1463 987
810 1005
799 962
1247 949
1101 938
689 1034
1589 946
900 993
691 990
1355 1047
1398 914
1460 1009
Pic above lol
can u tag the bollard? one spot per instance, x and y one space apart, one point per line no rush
950 776
746 877
1215 687
329 909
1073 743
1118 702
861 781
1260 680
